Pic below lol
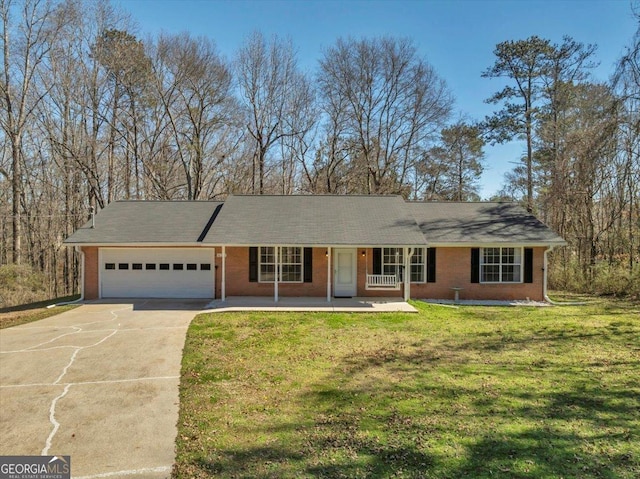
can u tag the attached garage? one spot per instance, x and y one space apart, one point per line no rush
157 272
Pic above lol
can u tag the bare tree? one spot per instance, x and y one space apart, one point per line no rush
20 90
194 85
391 103
275 93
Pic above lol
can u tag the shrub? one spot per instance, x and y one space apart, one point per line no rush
21 284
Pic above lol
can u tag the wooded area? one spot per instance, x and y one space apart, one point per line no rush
90 114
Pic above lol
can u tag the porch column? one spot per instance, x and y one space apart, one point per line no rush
408 253
276 250
328 274
223 287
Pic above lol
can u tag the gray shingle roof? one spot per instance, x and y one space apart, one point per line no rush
315 220
147 222
475 223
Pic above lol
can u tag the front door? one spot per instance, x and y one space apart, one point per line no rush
344 273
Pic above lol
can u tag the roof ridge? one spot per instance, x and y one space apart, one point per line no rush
166 201
322 195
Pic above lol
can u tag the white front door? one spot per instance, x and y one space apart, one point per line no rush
344 273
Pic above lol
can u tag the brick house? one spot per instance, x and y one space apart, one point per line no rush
316 246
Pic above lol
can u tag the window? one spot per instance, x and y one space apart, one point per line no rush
392 260
150 266
267 264
290 259
136 266
123 265
417 266
164 266
501 265
205 267
110 266
178 266
192 266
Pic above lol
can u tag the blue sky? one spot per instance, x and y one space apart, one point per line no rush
456 36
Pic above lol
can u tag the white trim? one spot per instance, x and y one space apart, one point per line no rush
223 285
277 272
278 265
99 265
329 275
408 254
423 263
521 265
354 271
476 244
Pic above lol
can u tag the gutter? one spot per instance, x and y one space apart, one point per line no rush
544 284
81 298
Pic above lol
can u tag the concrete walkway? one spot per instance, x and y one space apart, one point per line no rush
98 383
486 302
353 305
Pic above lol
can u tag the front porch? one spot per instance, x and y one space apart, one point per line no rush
350 305
330 272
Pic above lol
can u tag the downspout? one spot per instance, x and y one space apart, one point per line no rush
81 298
544 284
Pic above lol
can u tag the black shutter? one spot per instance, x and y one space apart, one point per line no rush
528 265
431 265
475 265
308 265
253 264
377 260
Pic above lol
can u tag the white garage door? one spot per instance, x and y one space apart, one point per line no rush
157 272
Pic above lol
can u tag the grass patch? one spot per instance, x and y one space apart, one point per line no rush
26 313
478 392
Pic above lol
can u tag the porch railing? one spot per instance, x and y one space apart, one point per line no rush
383 281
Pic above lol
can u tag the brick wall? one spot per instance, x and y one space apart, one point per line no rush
91 267
453 269
238 283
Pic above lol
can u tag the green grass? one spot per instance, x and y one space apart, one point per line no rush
27 313
478 392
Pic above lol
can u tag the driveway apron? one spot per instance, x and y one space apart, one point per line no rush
98 383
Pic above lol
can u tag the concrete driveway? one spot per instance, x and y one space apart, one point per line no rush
98 383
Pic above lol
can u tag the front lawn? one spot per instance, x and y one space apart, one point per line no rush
474 392
27 313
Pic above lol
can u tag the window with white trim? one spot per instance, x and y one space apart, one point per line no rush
392 261
418 266
501 265
290 260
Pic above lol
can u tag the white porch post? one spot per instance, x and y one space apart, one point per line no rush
328 274
408 253
223 287
277 273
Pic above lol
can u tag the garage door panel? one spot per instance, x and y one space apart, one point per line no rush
131 272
